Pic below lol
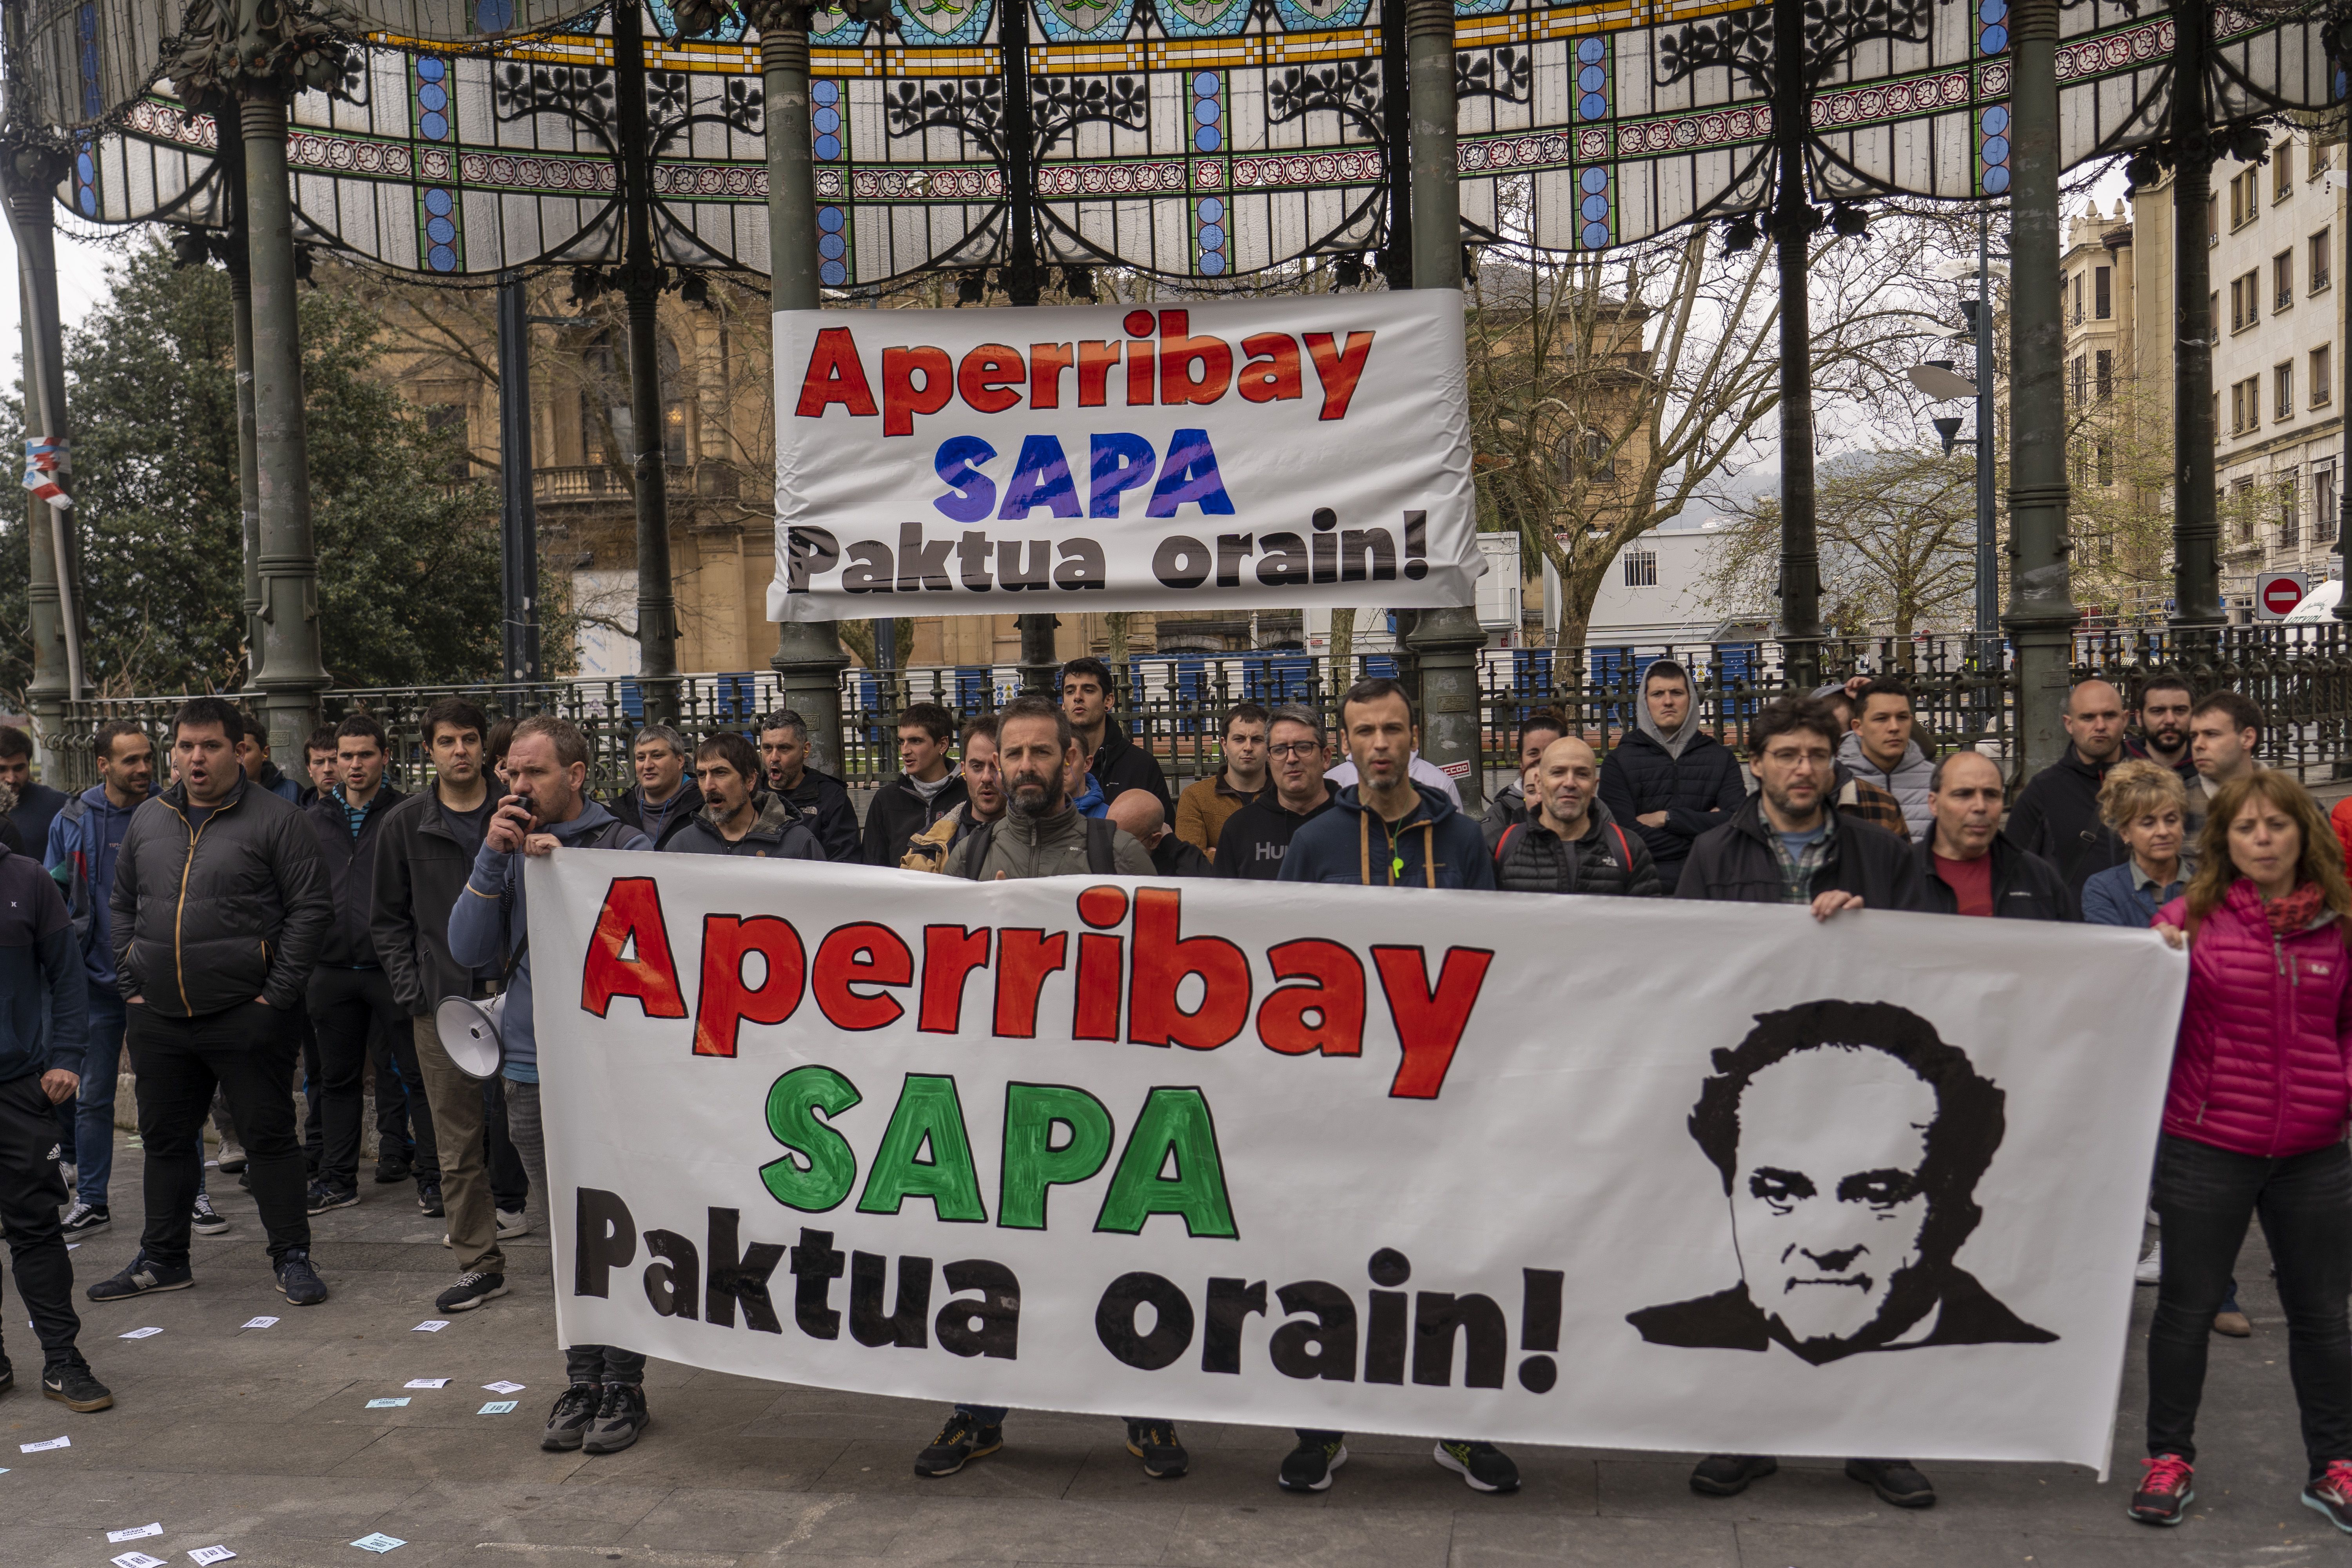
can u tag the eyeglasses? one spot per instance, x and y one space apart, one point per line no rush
1295 749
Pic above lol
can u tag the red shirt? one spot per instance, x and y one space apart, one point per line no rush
1970 881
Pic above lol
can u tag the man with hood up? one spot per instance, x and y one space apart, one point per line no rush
1670 778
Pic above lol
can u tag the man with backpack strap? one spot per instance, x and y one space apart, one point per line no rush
1570 843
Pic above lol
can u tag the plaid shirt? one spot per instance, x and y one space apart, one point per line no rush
1797 870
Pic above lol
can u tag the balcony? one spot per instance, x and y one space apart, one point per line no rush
593 484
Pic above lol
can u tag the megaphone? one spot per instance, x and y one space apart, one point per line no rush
469 1032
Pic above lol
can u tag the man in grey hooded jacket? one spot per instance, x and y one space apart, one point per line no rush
1883 749
1670 778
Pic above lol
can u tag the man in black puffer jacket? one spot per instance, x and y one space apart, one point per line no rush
1570 842
1670 780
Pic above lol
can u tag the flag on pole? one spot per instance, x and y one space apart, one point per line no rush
45 460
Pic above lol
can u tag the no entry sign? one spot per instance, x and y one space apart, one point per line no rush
2276 592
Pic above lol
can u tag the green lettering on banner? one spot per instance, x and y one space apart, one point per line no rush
1177 1121
927 1111
1033 1163
826 1167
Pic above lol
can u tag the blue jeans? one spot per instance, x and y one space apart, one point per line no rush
94 1109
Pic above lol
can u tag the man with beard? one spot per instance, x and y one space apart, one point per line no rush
2056 814
820 798
1042 835
738 817
2164 704
983 801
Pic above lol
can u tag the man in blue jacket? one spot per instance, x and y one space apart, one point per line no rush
1671 779
40 969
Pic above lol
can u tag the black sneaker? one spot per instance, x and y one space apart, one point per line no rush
325 1196
962 1440
568 1423
297 1281
1727 1475
84 1218
621 1416
393 1168
469 1292
1308 1467
2165 1490
72 1386
140 1277
1483 1467
1895 1481
205 1219
2331 1494
429 1200
1162 1451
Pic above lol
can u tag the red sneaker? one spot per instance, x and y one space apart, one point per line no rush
2331 1494
2165 1494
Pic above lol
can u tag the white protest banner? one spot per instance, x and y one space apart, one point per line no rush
1201 454
1603 1173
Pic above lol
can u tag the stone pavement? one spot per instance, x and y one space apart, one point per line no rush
261 1439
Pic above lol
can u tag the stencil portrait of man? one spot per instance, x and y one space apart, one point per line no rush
1851 1139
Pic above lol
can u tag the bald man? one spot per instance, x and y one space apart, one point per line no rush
1138 814
1966 866
1570 842
2057 814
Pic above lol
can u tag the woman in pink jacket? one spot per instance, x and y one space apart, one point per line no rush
2253 1125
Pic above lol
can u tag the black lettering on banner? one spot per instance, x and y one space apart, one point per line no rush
1539 1328
909 1328
673 1279
989 1326
604 1238
1385 1340
1436 1317
1172 1330
1331 1331
730 1279
1230 1302
815 1266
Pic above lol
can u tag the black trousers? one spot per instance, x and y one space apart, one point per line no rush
352 1012
247 1051
509 1186
2204 1198
30 1191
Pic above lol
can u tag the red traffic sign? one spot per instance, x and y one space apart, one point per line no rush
2276 592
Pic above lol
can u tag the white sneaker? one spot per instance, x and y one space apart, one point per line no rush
2151 1268
513 1222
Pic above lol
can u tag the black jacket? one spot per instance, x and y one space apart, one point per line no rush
1738 863
1531 858
421 866
1120 763
350 877
630 807
900 812
206 919
37 806
823 802
2025 887
777 834
2057 817
1694 790
1172 856
1258 836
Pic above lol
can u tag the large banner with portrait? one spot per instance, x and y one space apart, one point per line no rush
1603 1173
1198 454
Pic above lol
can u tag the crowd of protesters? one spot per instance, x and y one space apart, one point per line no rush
249 940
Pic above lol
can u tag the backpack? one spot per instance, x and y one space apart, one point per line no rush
1102 848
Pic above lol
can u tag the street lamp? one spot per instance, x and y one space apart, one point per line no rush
1940 383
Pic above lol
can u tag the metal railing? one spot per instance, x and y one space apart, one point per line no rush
1174 705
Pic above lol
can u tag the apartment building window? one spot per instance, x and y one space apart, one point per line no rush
2213 220
2282 281
2104 366
2318 163
1640 568
2283 391
2245 202
2106 462
2078 298
2289 515
2245 405
2324 503
2282 172
2323 378
2245 301
2241 508
2075 381
2103 292
2316 266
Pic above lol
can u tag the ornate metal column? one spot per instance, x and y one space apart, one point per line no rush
518 511
808 659
1793 223
1447 640
642 278
248 468
2042 613
31 172
2197 606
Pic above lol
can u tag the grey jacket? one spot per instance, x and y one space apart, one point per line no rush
1906 780
777 833
1024 846
207 917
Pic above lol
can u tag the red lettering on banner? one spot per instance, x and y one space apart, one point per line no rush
902 399
834 375
1162 960
1179 352
1024 957
950 955
861 953
1272 374
1046 363
1094 1013
726 1003
632 914
1095 360
1335 369
988 374
1335 998
1429 1020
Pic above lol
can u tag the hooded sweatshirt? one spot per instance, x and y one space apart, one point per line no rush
82 845
1689 776
1437 844
1906 780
